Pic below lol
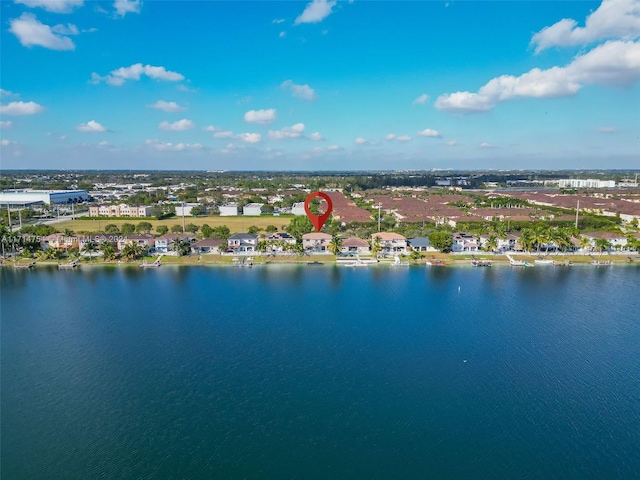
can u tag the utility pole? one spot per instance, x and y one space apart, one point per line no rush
577 211
183 230
379 207
20 217
9 214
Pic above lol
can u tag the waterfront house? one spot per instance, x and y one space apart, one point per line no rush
421 244
316 242
390 242
464 242
617 240
355 245
278 241
207 246
59 240
243 242
164 243
144 240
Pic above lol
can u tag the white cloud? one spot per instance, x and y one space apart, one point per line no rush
123 7
282 34
390 136
225 134
428 132
134 72
5 124
167 106
91 126
294 131
31 32
210 128
315 11
452 143
62 138
249 137
171 147
263 117
103 144
486 145
6 143
55 6
334 148
184 88
6 93
403 138
178 126
363 141
421 99
614 19
606 129
278 20
613 63
21 108
300 91
315 136
69 29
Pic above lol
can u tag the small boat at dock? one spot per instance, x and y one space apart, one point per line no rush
543 261
436 262
69 265
155 264
518 263
480 262
399 263
24 265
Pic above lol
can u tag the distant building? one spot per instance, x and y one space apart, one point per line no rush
26 196
252 209
298 209
229 210
185 209
582 183
121 210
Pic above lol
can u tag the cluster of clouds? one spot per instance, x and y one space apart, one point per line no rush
616 62
134 72
31 32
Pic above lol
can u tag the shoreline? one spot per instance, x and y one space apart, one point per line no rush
324 261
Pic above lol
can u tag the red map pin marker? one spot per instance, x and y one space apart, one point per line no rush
318 220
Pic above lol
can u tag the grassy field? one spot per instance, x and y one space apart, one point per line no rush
235 224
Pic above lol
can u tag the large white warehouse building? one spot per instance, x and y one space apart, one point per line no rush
26 196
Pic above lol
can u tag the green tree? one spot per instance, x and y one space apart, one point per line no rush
180 246
376 246
144 227
127 228
206 231
271 229
162 229
90 247
603 244
199 210
526 239
298 226
108 250
131 251
415 256
261 246
111 228
191 228
491 244
176 229
253 229
442 241
584 243
335 245
222 232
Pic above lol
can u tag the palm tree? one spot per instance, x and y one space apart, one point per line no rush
90 247
491 244
108 250
131 251
584 243
526 239
540 236
335 245
603 244
261 246
376 247
180 246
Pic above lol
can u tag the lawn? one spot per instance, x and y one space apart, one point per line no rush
235 224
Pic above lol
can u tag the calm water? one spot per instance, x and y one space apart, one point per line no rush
321 372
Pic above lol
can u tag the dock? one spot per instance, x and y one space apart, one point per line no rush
69 265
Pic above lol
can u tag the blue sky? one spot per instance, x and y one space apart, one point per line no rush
322 85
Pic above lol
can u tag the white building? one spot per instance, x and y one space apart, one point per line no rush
184 209
25 196
581 183
298 209
229 210
252 209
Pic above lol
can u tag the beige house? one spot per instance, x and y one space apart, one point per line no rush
121 210
355 245
316 242
390 242
145 240
59 240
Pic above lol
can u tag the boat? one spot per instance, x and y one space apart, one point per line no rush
480 262
602 263
436 262
398 263
69 265
244 262
518 263
566 263
356 262
24 265
542 261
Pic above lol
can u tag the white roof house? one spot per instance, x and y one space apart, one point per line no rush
252 209
229 210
